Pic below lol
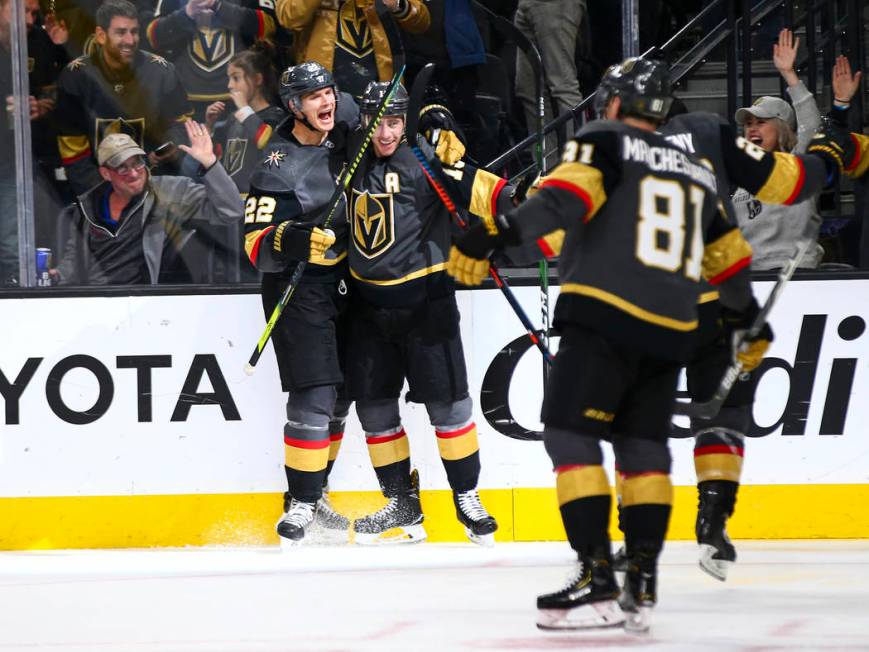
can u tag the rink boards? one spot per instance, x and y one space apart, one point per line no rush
129 422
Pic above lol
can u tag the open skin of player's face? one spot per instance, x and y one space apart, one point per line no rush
319 108
119 42
387 136
762 132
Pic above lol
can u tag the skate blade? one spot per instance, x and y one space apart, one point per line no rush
597 615
289 544
324 536
717 568
482 540
392 537
639 621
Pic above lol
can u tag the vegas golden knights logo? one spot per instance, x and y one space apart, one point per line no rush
211 48
133 127
373 223
354 36
233 157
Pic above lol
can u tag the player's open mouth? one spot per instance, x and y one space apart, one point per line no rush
325 116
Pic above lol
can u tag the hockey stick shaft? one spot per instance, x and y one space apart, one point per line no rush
334 201
710 408
493 270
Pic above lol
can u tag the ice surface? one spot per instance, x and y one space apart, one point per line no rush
780 596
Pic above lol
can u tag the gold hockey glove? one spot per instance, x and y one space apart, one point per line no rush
749 352
468 262
296 241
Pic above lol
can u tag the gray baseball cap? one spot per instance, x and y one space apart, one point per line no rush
768 107
117 148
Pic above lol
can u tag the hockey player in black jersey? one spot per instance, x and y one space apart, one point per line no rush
641 229
289 192
118 89
773 177
405 323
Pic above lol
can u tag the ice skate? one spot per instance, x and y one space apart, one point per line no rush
400 521
479 525
587 601
639 596
295 522
717 553
330 526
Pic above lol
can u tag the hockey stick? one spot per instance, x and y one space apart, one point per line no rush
334 200
416 94
532 54
710 408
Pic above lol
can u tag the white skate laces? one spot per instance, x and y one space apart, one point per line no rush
300 514
469 503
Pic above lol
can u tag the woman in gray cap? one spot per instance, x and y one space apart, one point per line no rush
773 125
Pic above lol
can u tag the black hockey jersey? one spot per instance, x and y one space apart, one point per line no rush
642 229
239 145
294 182
400 230
145 101
202 49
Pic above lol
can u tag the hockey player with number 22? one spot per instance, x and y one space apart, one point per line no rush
405 322
641 229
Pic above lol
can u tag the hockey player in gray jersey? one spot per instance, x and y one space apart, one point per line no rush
405 323
288 195
778 178
642 229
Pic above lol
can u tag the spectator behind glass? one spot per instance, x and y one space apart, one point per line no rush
553 26
133 224
770 123
347 38
250 117
201 36
118 89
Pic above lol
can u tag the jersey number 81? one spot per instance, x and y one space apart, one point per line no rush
663 210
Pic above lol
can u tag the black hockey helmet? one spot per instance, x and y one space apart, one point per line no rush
643 86
373 95
302 79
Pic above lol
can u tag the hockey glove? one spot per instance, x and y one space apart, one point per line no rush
834 145
442 132
748 352
469 258
295 241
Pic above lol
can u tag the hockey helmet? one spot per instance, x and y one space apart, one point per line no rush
302 79
373 95
643 86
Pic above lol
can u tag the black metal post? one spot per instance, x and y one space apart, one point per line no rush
811 47
731 59
746 53
857 51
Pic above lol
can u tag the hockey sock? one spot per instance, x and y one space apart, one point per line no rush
718 455
619 481
390 456
460 454
584 499
306 454
647 500
336 435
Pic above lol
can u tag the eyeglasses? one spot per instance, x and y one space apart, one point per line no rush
127 169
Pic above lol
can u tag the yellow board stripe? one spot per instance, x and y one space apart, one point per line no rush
460 446
718 466
628 307
404 279
725 252
785 177
647 489
581 482
524 514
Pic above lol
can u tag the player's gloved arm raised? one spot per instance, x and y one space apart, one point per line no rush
442 132
469 257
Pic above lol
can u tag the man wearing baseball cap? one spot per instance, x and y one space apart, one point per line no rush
128 225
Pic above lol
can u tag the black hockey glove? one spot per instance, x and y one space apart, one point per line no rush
469 258
442 132
748 351
835 146
294 241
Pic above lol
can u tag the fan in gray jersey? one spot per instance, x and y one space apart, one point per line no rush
289 193
719 443
405 322
641 230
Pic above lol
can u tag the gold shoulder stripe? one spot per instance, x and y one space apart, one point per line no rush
483 193
71 148
857 167
727 255
628 307
582 180
784 182
551 243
